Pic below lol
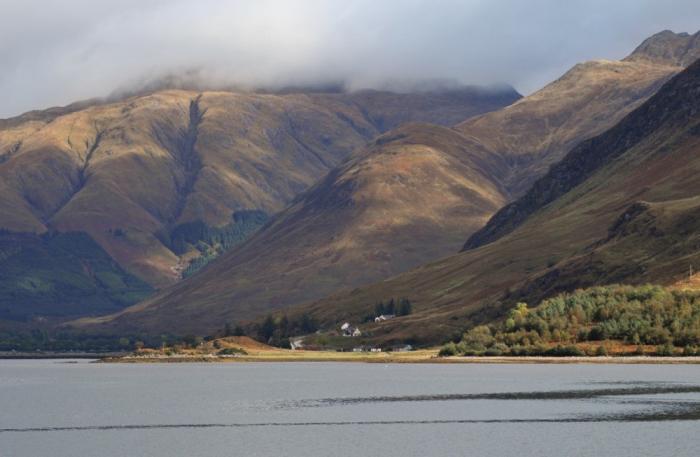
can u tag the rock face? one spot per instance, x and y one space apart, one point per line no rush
378 213
129 173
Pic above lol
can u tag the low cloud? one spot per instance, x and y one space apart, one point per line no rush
56 52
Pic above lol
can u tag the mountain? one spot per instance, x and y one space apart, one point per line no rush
668 48
538 130
413 194
620 207
384 211
129 173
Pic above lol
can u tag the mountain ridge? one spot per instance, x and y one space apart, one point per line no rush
141 167
668 47
609 90
580 163
632 220
374 216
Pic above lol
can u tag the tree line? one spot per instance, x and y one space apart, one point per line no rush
393 307
643 315
275 330
211 241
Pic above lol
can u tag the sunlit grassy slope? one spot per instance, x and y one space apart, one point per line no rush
621 207
406 200
129 172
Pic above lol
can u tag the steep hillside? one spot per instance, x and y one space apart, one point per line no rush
621 207
412 195
537 131
130 173
327 241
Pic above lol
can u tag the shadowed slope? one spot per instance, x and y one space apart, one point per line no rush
58 276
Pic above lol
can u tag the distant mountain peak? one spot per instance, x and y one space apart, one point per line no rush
669 48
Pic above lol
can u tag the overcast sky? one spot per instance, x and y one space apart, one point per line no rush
57 52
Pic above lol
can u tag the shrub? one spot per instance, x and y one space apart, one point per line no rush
232 351
470 348
658 335
285 343
664 350
689 351
493 352
501 347
597 333
478 337
450 349
567 351
519 350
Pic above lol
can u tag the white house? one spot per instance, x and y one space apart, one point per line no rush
384 317
296 344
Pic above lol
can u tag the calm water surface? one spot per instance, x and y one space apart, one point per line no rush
54 408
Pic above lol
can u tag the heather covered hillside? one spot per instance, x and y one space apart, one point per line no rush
405 199
166 181
619 208
150 163
412 195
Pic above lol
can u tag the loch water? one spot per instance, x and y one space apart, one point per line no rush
77 408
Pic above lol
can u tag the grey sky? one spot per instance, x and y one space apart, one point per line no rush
56 52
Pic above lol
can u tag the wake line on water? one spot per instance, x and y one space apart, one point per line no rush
680 412
582 394
668 410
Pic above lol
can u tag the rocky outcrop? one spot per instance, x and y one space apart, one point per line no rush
668 48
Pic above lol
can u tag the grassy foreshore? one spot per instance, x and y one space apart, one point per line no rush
415 357
242 349
428 355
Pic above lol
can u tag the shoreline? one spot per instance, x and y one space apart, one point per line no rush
58 355
333 357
